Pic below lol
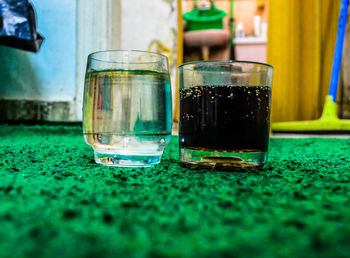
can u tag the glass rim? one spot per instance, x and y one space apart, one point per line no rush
224 62
90 56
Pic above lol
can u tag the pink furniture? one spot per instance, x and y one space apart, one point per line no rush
250 49
206 39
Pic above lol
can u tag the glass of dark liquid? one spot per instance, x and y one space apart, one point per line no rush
224 114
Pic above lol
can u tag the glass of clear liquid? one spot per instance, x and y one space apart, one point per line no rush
127 115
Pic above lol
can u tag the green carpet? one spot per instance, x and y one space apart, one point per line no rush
56 202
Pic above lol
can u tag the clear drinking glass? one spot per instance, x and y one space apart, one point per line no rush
224 114
127 107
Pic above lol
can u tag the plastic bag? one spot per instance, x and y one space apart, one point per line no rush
17 25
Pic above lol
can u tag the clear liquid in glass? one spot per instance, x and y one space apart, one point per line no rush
127 116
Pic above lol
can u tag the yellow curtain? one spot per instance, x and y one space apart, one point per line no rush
301 40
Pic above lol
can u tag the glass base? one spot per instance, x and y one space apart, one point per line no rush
223 160
126 160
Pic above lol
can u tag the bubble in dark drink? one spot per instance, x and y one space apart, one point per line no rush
224 119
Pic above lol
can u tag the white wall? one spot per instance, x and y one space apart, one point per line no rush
151 25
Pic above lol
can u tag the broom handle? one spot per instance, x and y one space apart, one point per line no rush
338 49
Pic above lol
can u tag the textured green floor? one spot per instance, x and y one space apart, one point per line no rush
56 202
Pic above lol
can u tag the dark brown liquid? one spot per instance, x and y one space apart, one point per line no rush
225 118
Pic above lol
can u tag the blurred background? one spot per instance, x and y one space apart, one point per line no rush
297 37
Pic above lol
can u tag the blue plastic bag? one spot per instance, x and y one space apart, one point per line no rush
17 25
